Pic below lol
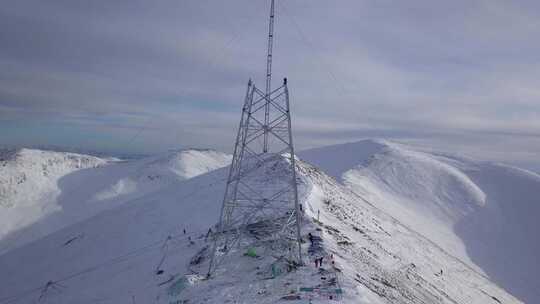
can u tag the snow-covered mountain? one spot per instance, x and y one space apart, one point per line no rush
28 184
43 191
139 252
28 175
483 213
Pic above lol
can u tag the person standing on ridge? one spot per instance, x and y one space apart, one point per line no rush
208 234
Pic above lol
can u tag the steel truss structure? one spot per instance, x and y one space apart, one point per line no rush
254 202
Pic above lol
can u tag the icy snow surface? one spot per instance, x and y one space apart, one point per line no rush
138 252
28 184
482 213
42 191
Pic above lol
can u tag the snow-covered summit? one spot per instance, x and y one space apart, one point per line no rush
27 171
480 212
42 191
188 163
28 183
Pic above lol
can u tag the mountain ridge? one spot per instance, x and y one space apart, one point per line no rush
365 222
460 203
49 190
115 255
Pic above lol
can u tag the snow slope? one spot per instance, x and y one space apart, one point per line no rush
45 191
482 213
138 253
28 184
132 179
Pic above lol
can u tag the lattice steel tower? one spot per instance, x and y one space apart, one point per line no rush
254 202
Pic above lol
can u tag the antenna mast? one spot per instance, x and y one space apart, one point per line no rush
268 74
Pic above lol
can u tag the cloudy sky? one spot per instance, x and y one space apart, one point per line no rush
146 76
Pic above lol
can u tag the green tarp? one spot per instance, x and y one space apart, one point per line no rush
251 253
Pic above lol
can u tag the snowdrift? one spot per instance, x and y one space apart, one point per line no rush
484 214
